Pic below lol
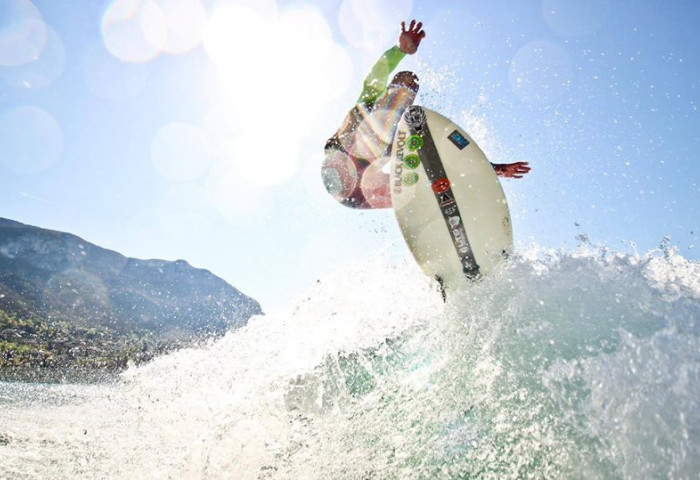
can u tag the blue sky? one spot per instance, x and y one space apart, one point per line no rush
194 129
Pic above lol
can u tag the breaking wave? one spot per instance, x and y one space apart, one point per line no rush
566 364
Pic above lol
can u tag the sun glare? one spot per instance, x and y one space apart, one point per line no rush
277 74
277 70
185 20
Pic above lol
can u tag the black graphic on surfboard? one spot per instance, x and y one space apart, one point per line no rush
447 199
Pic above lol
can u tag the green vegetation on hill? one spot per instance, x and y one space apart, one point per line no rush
29 343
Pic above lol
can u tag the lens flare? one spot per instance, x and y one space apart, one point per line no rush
185 20
134 30
22 33
43 71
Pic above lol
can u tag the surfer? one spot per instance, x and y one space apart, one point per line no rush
358 151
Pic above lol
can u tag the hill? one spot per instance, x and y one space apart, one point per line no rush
65 302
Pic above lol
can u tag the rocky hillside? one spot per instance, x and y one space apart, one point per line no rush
65 301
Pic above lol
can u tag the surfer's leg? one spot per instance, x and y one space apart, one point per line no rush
344 160
342 175
405 79
352 181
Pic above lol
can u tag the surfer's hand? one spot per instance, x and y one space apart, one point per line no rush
410 39
511 170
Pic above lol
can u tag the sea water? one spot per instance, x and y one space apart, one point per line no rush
564 364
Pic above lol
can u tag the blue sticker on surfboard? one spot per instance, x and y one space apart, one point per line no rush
458 139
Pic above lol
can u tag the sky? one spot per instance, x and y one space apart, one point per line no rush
194 129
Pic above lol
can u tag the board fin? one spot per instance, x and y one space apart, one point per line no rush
441 286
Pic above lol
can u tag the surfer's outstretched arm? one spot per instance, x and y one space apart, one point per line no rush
351 172
511 170
375 85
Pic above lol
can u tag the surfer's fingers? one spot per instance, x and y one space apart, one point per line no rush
403 26
416 29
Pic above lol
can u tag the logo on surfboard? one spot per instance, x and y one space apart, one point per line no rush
415 117
409 179
441 185
411 161
415 142
446 199
458 139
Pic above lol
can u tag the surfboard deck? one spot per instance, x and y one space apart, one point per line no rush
447 199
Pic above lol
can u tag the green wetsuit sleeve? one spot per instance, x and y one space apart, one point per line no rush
375 84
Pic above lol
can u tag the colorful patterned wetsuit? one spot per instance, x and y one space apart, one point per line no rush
357 152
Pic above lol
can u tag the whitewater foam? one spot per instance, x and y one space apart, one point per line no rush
567 364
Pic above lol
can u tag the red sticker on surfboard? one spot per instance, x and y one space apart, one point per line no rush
441 185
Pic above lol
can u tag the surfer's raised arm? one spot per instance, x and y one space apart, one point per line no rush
511 170
358 150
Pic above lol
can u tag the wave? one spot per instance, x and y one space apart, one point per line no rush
565 364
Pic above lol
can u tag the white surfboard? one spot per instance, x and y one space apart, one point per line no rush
447 199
